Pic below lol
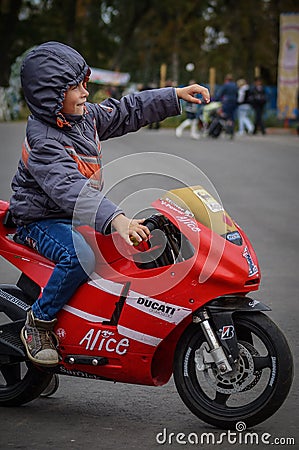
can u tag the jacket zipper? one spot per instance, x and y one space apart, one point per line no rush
86 138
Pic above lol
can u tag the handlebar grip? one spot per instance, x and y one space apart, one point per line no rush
153 222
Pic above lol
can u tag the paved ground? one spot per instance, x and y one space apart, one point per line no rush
257 180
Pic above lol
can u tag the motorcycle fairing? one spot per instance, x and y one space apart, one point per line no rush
160 301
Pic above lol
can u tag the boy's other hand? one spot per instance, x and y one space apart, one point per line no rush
131 230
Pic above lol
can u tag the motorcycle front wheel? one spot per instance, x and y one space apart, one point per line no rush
253 391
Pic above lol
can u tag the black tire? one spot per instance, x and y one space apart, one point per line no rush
215 128
253 392
20 382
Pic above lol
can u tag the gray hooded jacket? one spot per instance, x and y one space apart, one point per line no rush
59 173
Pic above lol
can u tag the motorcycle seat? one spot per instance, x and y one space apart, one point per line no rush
8 221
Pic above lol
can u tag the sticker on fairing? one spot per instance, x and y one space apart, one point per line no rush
208 200
252 268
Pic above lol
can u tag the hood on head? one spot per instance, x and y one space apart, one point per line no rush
46 73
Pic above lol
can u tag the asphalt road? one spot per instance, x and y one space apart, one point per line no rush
257 180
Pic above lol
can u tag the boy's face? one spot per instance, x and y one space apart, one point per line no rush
74 99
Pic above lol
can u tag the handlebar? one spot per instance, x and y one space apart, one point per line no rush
154 222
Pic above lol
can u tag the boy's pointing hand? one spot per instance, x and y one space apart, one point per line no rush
189 93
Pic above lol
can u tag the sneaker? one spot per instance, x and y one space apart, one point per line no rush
40 340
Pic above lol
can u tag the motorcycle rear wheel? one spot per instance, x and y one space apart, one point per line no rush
253 392
20 382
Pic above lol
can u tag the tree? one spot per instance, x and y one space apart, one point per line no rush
157 32
137 36
249 33
9 12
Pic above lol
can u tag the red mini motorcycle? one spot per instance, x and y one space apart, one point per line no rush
175 304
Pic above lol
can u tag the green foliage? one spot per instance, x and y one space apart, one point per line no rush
137 36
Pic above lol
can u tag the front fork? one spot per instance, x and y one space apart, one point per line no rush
214 352
216 321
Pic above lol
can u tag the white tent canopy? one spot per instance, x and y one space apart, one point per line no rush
102 76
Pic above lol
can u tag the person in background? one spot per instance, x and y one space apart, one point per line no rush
227 94
258 100
191 121
244 108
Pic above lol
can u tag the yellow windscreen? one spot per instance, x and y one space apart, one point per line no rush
199 203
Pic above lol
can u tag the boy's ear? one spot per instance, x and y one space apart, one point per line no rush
86 78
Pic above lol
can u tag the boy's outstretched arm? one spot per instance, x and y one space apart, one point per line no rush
188 93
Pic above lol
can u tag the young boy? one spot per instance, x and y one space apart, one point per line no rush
59 174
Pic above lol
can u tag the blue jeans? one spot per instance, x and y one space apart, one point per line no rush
229 109
245 123
57 240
